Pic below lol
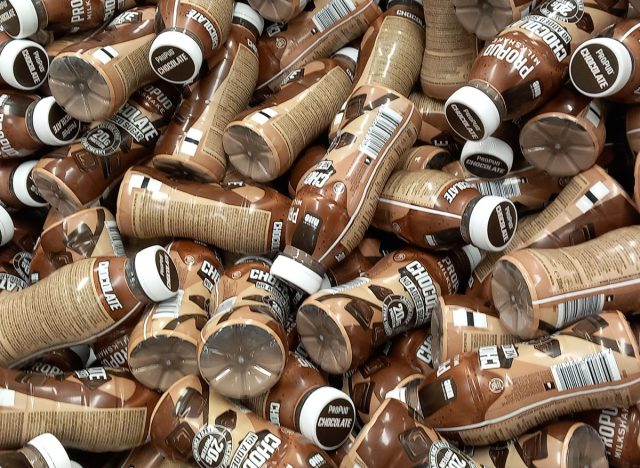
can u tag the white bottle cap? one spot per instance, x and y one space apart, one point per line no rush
399 394
490 159
320 411
75 464
83 352
20 183
326 282
6 226
156 273
180 42
10 53
474 255
27 18
583 78
296 274
42 122
51 450
486 231
476 103
349 52
245 12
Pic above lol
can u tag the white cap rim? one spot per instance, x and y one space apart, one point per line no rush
41 126
474 254
349 52
478 223
481 104
148 275
20 184
312 409
492 146
7 227
296 274
180 41
8 57
27 17
245 12
52 450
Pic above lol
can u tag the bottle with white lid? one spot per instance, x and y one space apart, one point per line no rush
17 189
24 64
279 10
491 158
17 239
43 451
6 227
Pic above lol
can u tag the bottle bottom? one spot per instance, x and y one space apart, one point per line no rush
437 336
241 360
484 18
250 153
182 167
274 10
512 299
55 192
586 449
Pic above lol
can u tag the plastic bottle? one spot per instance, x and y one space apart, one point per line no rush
24 64
43 451
486 18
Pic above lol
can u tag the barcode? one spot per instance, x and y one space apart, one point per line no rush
595 369
332 13
116 239
170 307
505 188
380 131
594 113
570 311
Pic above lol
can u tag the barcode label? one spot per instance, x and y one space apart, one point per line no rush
332 13
380 131
595 369
505 188
170 307
115 238
594 113
571 311
105 54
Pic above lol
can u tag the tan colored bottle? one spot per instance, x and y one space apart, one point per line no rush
43 451
95 409
449 52
486 18
24 64
162 346
278 11
60 361
238 276
500 392
111 349
435 210
189 32
17 240
17 189
334 207
236 216
194 424
88 233
305 162
83 300
435 129
414 347
192 143
425 157
93 78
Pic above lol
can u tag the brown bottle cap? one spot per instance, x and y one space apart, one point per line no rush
157 274
6 226
23 22
18 65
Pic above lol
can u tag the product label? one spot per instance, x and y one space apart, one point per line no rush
567 11
212 447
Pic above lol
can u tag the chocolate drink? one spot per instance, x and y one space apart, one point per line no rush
95 409
334 207
111 350
486 18
305 162
77 176
194 424
237 277
426 157
93 78
414 347
192 143
24 64
17 240
17 189
82 301
497 393
493 157
61 361
162 346
43 451
237 216
279 10
435 129
148 456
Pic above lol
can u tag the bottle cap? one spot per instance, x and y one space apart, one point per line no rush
326 282
245 12
26 20
327 417
14 68
490 159
474 255
296 274
6 226
75 464
349 52
471 103
492 223
156 273
52 125
22 185
174 44
591 77
51 450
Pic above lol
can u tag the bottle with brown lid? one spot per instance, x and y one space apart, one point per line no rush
566 135
237 216
500 392
189 32
94 409
43 451
17 240
486 18
92 79
17 189
435 210
24 64
336 203
162 346
192 143
77 176
525 64
83 300
278 11
192 423
414 348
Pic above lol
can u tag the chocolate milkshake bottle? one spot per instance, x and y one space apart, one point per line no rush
28 123
17 190
303 402
60 361
435 129
279 11
449 52
565 136
436 210
43 451
24 64
494 156
304 164
189 32
93 78
111 350
94 409
334 207
414 347
193 141
632 127
525 64
314 34
500 392
428 157
262 143
192 423
563 445
237 277
237 216
17 239
486 18
148 456
83 300
88 233
79 175
162 346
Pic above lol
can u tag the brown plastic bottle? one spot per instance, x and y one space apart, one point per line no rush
94 409
305 162
486 18
17 189
60 361
148 456
17 240
111 349
435 129
414 347
43 451
426 157
237 277
192 143
24 64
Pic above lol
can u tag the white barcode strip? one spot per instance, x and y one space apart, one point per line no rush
571 311
116 239
595 369
594 113
170 307
505 188
380 131
332 13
